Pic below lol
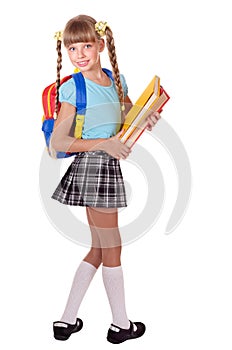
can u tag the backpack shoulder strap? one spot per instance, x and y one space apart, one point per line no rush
80 92
81 100
108 72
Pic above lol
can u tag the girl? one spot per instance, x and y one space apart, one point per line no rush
94 178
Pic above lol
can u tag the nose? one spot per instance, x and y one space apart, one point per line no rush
80 53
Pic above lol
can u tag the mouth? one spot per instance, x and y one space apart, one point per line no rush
82 63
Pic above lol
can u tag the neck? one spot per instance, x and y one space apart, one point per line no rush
98 76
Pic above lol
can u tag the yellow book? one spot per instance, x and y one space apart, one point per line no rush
137 113
153 98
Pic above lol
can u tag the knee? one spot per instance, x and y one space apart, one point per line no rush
111 257
94 257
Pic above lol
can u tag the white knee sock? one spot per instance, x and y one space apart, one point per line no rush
114 285
81 282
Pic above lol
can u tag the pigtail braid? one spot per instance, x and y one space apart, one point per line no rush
113 60
59 66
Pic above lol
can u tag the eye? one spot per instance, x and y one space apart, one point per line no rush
88 46
71 48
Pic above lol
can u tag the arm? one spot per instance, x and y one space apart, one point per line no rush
61 138
128 105
62 141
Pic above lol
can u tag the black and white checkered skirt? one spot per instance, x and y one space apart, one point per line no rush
93 179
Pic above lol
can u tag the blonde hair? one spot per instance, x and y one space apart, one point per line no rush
82 29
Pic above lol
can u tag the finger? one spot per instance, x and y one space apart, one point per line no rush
157 115
119 134
154 120
117 156
124 156
151 122
125 148
125 151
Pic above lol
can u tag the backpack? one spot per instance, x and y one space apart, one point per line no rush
48 102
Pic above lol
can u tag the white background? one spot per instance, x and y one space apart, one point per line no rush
180 284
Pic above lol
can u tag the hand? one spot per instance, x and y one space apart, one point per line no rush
114 147
152 119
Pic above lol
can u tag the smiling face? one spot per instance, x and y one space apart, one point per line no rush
85 56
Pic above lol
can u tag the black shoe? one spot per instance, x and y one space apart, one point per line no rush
117 335
64 332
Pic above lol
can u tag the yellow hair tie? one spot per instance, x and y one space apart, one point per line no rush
100 28
58 35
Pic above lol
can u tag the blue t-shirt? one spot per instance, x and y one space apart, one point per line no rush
103 116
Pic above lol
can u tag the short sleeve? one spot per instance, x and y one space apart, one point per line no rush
124 85
67 92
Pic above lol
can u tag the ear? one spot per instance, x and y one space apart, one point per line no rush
101 45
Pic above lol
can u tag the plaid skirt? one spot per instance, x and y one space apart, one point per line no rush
93 179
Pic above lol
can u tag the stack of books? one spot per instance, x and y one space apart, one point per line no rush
153 99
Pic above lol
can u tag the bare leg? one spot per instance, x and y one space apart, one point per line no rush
105 235
94 256
104 225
